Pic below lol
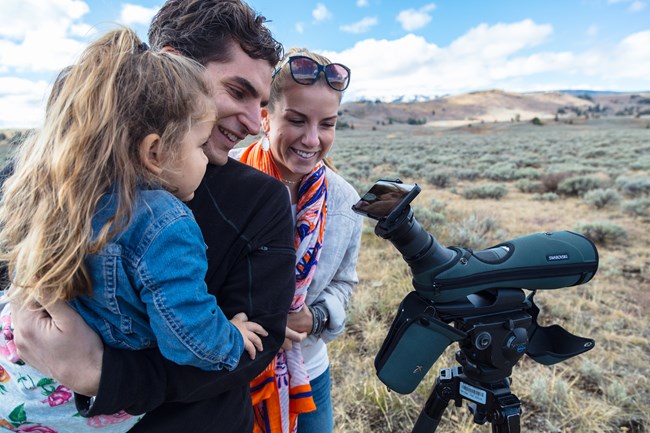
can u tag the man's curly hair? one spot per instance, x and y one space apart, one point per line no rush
205 30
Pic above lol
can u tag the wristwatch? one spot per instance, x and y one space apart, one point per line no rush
83 403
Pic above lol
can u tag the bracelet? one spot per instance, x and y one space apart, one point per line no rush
319 315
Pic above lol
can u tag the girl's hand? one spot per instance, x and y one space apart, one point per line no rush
250 332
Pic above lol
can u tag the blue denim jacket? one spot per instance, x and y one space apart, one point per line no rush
149 289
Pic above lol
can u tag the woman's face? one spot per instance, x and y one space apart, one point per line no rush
302 127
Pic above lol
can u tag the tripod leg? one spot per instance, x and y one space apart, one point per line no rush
436 404
508 419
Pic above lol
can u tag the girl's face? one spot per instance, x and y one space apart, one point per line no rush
302 127
184 175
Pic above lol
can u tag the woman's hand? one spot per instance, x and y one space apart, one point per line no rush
298 327
291 337
301 321
58 342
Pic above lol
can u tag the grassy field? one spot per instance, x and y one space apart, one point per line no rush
487 183
484 184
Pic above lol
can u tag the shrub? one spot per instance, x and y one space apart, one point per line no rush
616 392
552 180
428 218
599 198
467 174
639 207
603 233
634 186
501 172
536 121
580 185
526 173
414 121
528 186
495 191
547 391
475 232
594 154
406 171
439 178
437 205
547 196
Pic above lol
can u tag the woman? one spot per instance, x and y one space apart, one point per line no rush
299 125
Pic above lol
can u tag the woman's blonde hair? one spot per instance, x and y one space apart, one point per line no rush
98 113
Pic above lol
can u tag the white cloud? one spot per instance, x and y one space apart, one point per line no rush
132 14
592 31
300 27
486 57
634 5
413 19
500 40
37 39
362 3
41 51
361 26
637 6
47 38
320 13
82 30
22 102
631 58
20 16
533 64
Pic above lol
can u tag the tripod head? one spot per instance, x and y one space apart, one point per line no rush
480 294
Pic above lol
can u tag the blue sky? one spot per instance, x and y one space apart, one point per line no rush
394 47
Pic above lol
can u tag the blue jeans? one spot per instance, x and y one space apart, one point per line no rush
321 420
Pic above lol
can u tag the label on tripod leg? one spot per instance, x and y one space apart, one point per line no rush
473 393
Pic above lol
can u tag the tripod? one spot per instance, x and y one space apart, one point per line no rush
493 403
496 339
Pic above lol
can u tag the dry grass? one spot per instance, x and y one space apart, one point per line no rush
604 390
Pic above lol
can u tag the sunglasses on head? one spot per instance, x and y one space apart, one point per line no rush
305 70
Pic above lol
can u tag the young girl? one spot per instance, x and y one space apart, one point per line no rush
87 217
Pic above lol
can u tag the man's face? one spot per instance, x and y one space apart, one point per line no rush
241 87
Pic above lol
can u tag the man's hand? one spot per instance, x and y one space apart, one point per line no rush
250 332
58 342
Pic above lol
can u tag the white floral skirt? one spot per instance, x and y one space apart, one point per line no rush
31 402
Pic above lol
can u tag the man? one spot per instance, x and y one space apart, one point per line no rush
245 218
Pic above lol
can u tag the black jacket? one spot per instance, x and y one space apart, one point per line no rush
245 218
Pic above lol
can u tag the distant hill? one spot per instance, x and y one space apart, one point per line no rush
495 106
480 107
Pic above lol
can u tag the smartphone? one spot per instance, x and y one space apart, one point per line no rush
386 198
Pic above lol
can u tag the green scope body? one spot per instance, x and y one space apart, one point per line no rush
549 260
